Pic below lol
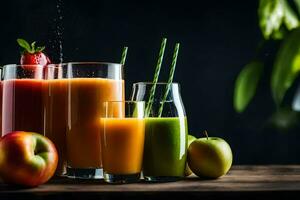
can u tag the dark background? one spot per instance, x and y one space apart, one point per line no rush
217 39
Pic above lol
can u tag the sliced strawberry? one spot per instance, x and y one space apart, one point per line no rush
32 55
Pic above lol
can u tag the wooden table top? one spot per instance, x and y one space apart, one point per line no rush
274 181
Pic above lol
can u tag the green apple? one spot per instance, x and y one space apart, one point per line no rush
209 157
191 139
187 171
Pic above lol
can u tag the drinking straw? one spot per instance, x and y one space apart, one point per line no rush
156 75
170 80
124 54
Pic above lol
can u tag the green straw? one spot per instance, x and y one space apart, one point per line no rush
170 80
156 75
124 54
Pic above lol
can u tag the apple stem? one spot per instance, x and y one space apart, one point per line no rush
205 133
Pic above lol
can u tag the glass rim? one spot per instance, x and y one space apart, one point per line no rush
83 63
158 83
25 65
125 101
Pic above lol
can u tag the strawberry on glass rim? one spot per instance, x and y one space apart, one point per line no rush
32 55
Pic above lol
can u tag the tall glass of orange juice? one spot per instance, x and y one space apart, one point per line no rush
122 141
77 103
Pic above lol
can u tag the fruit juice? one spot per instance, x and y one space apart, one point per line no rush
122 145
1 96
23 108
165 146
86 97
56 119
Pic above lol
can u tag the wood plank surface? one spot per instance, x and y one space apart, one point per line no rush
258 182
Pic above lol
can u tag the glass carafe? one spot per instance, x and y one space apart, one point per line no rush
166 132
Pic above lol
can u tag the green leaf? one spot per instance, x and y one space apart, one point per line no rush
246 84
286 66
290 17
23 43
39 49
274 16
279 34
33 46
270 14
297 3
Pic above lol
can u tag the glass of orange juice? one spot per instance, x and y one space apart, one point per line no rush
76 94
122 141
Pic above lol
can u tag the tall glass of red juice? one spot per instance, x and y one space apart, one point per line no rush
23 107
78 98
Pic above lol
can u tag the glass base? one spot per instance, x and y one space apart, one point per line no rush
162 178
84 173
114 178
61 173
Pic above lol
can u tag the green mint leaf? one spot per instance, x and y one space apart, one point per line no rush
290 17
286 66
33 46
270 14
246 85
39 49
23 43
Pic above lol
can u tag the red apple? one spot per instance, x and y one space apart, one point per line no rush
26 158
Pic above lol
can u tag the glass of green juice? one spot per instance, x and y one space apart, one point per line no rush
165 132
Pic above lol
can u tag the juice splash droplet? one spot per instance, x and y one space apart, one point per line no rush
59 29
